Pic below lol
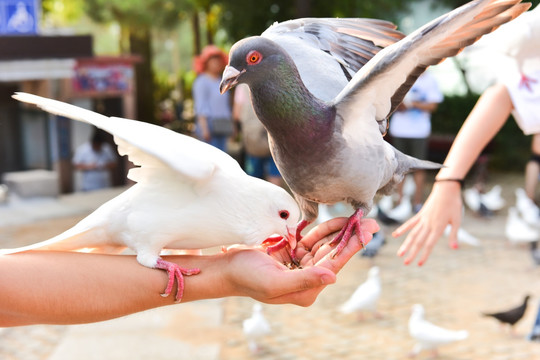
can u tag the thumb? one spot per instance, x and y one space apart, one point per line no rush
305 279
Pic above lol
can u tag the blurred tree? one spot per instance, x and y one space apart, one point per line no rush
137 18
241 18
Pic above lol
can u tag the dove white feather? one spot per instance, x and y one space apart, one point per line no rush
428 335
188 195
367 294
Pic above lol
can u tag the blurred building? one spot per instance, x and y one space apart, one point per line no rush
59 67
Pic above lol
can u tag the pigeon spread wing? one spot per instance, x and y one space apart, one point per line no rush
333 48
194 160
391 73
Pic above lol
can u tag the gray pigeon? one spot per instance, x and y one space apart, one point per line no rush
326 132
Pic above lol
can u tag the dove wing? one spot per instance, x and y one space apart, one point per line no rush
184 155
380 86
430 333
331 48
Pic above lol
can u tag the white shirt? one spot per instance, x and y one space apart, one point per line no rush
416 123
98 178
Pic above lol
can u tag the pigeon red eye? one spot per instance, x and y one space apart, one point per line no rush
253 57
284 214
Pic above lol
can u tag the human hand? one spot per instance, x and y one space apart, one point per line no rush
442 207
267 279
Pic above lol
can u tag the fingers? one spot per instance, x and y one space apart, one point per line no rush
335 264
296 286
370 226
406 226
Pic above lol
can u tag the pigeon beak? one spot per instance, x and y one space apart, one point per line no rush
229 78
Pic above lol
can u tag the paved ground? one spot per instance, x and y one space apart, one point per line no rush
454 287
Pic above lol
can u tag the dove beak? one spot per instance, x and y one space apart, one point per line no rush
229 78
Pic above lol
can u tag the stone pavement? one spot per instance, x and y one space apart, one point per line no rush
454 286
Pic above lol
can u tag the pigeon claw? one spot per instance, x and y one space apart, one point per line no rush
353 226
175 272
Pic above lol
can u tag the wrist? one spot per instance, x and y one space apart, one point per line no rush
452 180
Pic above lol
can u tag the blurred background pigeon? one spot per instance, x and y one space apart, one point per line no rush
403 211
527 208
512 316
365 297
535 252
463 236
429 336
255 328
518 230
372 248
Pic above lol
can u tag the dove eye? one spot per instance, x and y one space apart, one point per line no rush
284 214
253 57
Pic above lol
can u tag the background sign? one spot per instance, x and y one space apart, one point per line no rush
19 17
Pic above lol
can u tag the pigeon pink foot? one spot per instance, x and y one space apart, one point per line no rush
353 226
175 272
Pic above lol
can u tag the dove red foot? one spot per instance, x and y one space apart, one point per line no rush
353 226
175 272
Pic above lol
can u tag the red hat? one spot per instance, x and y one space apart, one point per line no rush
209 51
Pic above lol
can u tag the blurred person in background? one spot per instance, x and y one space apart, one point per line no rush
516 92
213 113
258 160
410 128
95 159
444 205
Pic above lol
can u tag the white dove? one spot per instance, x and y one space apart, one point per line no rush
188 195
429 336
403 211
365 297
493 199
255 327
518 230
528 209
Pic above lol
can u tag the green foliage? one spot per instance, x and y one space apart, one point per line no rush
247 17
509 150
137 13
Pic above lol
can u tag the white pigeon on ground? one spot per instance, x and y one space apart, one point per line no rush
518 230
386 203
403 211
472 199
324 213
4 193
429 336
365 297
492 199
188 195
527 208
463 236
255 328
